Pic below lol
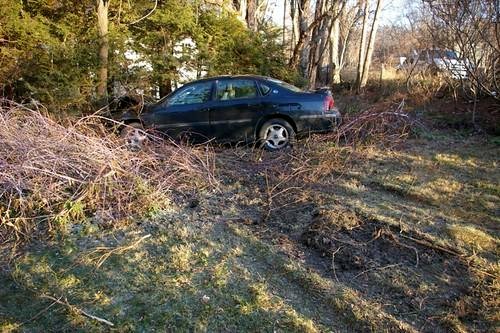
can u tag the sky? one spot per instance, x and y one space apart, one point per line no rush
392 11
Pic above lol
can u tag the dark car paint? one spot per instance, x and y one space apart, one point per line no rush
239 119
248 111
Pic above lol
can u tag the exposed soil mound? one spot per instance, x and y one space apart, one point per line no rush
406 272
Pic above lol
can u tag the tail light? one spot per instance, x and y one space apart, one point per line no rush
329 103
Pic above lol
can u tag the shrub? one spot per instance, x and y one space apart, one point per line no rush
51 175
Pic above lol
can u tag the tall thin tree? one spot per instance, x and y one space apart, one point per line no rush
102 28
362 45
251 16
371 44
334 46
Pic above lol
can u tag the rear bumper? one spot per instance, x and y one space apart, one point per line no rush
320 122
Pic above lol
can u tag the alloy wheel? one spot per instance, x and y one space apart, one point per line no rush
276 136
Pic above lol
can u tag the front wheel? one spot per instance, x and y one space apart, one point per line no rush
276 134
133 136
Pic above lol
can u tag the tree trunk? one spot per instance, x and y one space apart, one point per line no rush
382 72
362 45
345 43
371 44
284 26
251 14
347 16
295 25
303 28
323 53
334 48
165 88
102 27
240 7
314 50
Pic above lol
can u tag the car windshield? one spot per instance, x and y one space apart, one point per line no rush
451 55
285 85
444 54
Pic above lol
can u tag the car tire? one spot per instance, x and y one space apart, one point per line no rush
276 134
133 136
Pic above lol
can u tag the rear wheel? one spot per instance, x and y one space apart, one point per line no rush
276 134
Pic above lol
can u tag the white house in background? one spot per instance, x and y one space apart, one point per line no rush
182 49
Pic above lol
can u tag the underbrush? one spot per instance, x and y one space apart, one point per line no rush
375 227
438 100
53 175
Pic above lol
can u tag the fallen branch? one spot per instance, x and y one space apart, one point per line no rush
40 313
77 310
333 263
145 16
432 246
117 250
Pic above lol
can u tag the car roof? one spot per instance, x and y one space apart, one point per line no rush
220 77
238 76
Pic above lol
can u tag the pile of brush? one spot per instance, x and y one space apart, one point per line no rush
386 126
53 174
373 126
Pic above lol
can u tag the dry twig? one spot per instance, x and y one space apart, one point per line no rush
118 250
52 174
78 310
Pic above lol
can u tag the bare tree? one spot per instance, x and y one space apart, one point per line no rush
362 45
240 7
348 19
371 42
304 29
102 28
334 46
251 14
317 43
367 43
295 23
471 27
312 47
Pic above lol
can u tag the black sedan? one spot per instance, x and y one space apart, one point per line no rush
239 108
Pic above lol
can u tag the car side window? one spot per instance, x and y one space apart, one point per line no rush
192 94
264 89
236 89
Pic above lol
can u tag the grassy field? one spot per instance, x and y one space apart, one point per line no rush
402 239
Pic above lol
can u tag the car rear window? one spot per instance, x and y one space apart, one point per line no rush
285 85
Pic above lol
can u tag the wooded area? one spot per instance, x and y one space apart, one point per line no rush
68 53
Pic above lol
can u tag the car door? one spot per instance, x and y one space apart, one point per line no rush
236 109
186 112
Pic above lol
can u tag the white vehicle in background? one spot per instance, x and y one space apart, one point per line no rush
436 61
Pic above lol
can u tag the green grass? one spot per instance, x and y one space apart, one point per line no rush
186 277
211 269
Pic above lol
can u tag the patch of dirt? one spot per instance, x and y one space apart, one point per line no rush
417 281
421 283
